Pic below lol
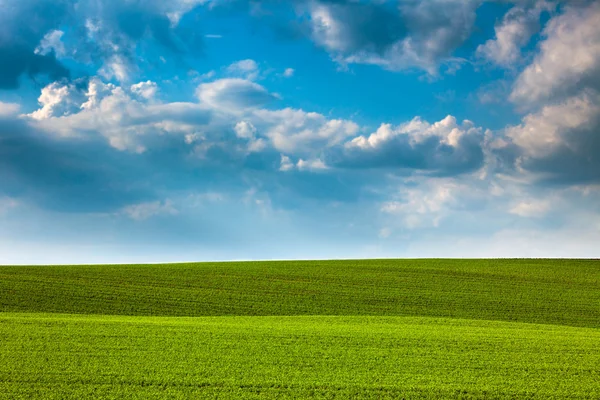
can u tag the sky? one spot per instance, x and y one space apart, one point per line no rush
191 130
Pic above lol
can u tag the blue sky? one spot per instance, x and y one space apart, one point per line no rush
150 131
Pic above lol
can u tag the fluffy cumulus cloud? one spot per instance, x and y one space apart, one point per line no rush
568 60
561 141
147 89
300 132
125 117
58 99
412 34
513 33
444 147
227 132
234 94
558 138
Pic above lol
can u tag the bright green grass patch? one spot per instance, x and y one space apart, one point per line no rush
47 356
540 291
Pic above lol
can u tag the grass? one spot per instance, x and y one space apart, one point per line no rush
414 329
52 356
562 292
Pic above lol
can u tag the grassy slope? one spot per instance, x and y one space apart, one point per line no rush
443 349
539 291
58 356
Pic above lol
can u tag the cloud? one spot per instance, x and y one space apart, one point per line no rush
125 118
286 164
542 133
288 73
246 69
300 132
112 35
143 211
18 41
245 130
301 165
70 176
428 203
147 89
414 34
8 109
311 165
51 42
118 32
557 140
568 60
132 119
513 33
58 99
444 147
531 208
561 141
233 94
419 208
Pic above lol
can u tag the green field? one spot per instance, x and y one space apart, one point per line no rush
323 329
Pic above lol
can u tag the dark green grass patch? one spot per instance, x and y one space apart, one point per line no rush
61 356
541 291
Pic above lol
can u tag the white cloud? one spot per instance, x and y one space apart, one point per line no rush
233 95
247 69
514 32
417 131
569 57
314 164
442 146
311 165
9 109
175 9
110 111
543 132
423 206
412 35
531 208
286 164
143 211
51 42
57 99
300 132
245 130
131 118
289 72
146 89
96 91
116 67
